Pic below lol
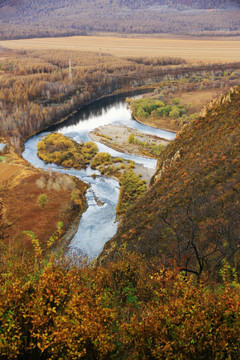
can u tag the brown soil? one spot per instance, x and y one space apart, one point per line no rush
19 208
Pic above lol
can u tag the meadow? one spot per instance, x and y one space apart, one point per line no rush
192 49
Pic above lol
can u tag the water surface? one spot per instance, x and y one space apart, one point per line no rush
97 224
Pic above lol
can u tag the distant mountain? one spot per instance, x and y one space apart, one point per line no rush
190 215
24 18
133 4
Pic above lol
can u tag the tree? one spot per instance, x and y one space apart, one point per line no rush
131 138
42 200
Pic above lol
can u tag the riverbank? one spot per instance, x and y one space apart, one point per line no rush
21 209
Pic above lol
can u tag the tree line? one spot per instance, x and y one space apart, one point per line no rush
36 91
46 18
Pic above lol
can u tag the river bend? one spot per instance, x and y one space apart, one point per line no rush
97 225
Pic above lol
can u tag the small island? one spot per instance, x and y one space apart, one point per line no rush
129 140
61 150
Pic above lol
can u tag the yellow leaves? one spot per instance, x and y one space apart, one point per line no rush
62 150
36 244
68 312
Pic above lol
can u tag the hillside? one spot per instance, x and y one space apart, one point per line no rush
37 201
190 214
22 18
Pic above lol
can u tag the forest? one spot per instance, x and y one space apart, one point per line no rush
36 91
28 19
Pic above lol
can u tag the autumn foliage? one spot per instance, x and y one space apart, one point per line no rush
36 90
62 309
61 150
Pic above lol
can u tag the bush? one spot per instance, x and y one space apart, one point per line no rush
176 101
157 149
131 138
101 158
42 200
175 112
164 111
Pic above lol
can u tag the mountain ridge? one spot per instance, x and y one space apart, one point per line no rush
23 19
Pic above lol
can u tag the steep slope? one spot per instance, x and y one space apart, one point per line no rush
191 213
54 18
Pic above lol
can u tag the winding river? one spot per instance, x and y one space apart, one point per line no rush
97 225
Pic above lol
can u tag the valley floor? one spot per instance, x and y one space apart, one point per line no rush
193 50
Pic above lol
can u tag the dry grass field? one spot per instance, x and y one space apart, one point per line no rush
198 98
7 171
209 51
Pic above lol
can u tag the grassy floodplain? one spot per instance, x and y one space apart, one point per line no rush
194 50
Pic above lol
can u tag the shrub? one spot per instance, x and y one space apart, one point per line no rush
131 138
157 149
131 165
176 101
101 158
117 160
164 111
42 200
76 198
175 112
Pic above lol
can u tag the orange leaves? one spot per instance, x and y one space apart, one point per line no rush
96 313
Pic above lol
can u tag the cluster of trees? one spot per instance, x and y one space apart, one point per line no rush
61 150
36 91
143 108
46 18
166 111
54 308
132 187
39 90
191 211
